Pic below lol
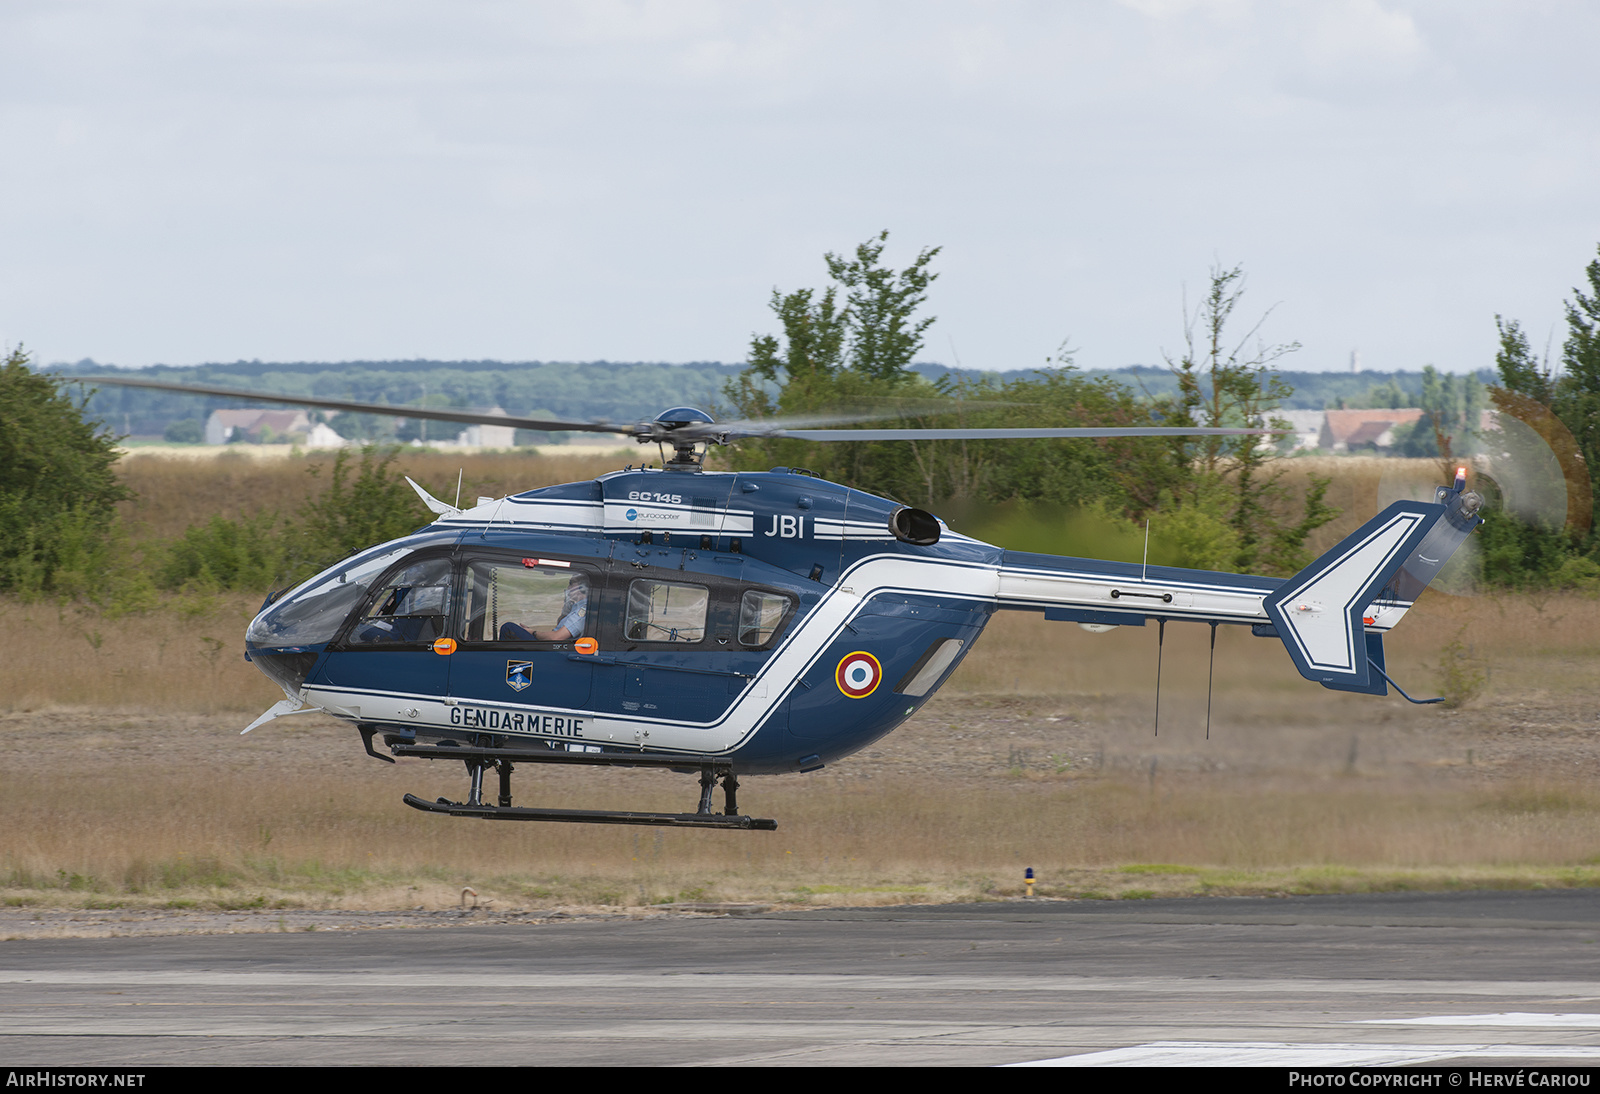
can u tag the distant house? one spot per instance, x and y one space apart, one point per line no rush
257 426
1353 430
489 436
1307 425
323 436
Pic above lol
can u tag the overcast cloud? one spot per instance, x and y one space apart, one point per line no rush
195 180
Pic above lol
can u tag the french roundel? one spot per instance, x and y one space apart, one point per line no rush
859 674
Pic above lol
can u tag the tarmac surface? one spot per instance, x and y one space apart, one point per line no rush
1488 978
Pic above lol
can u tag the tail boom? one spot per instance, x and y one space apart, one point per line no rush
1122 594
1331 616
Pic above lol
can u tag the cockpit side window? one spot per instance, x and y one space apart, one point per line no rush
314 612
526 601
411 605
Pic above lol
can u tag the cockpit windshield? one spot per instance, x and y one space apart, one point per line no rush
313 613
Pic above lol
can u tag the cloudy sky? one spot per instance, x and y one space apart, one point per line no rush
201 180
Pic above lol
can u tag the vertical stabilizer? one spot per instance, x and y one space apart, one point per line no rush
1322 613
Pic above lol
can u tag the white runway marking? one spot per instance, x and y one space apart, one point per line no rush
1511 1019
1279 1054
366 980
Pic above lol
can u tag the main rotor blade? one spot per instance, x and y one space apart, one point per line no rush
849 414
762 427
995 434
462 417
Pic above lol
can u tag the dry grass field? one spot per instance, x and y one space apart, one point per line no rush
126 783
176 490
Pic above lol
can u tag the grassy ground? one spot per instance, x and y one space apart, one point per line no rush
124 782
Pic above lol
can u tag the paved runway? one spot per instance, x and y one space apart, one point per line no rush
1491 978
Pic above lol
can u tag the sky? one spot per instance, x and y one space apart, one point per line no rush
301 180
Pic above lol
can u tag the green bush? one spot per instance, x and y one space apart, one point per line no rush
365 503
226 554
362 506
1462 675
1518 555
58 490
188 431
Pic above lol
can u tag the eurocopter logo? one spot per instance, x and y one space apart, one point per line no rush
633 514
519 674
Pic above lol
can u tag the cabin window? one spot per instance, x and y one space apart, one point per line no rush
663 611
412 605
760 615
519 602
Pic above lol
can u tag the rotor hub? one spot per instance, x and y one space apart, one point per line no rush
688 430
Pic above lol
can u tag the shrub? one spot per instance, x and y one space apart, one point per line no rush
353 513
225 554
58 490
1462 676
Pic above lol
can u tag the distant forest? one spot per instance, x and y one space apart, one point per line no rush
594 390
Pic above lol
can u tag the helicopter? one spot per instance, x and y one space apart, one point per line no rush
730 624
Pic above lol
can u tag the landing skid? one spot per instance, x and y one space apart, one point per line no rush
491 753
592 816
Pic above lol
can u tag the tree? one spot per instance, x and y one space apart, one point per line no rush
883 338
1452 406
58 486
1577 395
1225 380
850 345
1562 407
874 334
1125 475
1520 371
848 348
838 358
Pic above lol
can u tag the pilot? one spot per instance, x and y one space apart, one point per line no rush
574 609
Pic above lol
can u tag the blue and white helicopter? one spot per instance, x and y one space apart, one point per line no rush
744 623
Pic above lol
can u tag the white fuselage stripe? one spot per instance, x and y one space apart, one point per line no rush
975 582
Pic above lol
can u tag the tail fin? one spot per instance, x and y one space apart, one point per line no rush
1323 613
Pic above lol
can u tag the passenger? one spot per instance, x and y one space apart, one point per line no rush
569 626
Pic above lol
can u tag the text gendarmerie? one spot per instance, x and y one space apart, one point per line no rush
516 721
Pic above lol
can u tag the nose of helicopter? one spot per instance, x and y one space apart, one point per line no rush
287 636
287 670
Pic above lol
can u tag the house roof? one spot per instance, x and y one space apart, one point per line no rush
281 421
1366 426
